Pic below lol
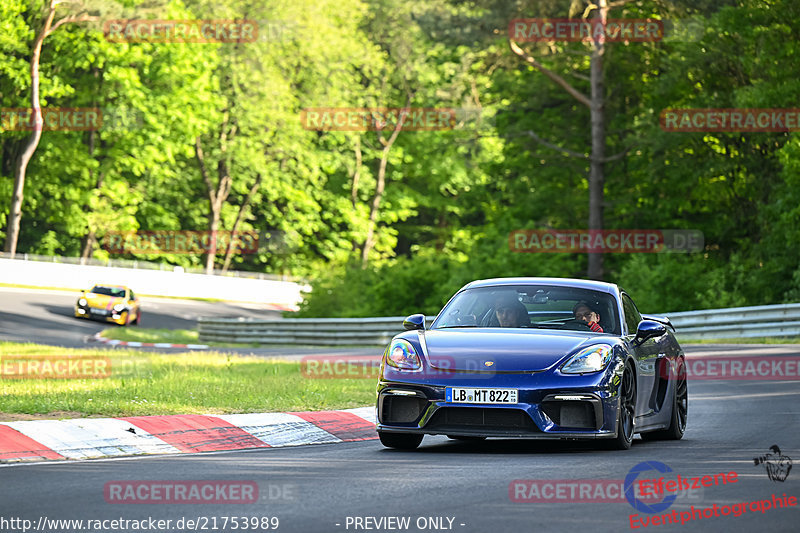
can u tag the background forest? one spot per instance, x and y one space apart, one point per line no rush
197 134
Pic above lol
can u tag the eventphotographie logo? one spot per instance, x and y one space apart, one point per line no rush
777 465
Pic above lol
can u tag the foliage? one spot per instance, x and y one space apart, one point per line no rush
451 197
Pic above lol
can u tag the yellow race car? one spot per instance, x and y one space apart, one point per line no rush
110 303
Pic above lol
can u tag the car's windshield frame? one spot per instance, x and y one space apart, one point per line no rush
105 290
556 313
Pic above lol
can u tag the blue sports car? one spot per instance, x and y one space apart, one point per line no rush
540 358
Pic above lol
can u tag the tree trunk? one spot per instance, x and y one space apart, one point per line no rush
354 186
598 126
21 167
216 195
379 187
373 210
239 217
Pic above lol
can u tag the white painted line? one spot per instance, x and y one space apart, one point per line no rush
85 438
280 429
367 413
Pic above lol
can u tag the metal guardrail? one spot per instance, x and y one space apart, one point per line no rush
305 331
737 322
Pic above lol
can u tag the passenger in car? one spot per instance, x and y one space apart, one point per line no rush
588 316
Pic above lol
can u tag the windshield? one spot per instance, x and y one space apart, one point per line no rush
532 306
116 292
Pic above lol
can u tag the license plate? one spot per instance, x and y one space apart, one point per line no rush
470 395
97 311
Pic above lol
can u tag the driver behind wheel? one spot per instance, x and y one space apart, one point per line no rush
511 313
588 316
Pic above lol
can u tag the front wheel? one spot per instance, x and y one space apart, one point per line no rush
627 411
680 409
401 441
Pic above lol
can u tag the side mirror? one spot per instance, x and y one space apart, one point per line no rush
414 322
647 330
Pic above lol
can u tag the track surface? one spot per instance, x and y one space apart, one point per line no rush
45 317
730 423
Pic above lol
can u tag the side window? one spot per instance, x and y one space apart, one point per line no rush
632 316
133 296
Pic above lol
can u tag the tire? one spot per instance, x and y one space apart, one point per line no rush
627 411
680 409
401 441
138 317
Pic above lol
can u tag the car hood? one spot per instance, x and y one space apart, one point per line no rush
511 350
101 301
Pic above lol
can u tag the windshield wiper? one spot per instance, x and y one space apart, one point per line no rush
459 326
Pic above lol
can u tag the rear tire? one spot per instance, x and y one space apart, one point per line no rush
401 441
680 409
627 411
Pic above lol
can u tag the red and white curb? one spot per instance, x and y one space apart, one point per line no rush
90 438
135 344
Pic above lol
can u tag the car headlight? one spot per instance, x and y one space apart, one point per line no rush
119 308
403 356
591 359
82 301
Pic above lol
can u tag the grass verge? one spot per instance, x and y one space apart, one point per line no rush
172 336
143 383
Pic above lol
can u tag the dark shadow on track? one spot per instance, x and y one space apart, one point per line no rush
514 447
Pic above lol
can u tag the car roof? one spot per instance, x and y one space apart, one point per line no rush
601 286
109 286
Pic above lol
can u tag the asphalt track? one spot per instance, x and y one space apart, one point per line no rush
45 317
326 488
313 488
